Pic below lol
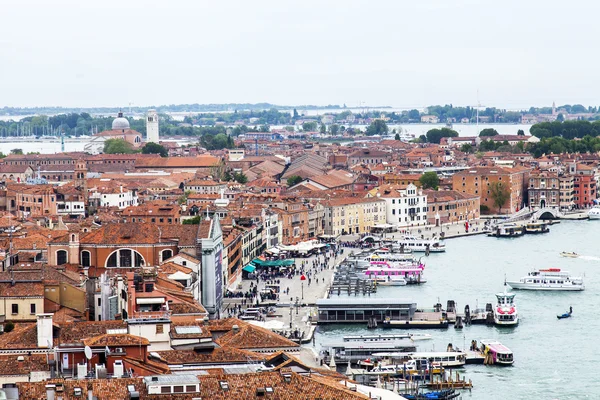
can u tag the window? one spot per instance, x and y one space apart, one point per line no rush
177 389
190 388
32 308
15 309
165 389
159 328
61 257
85 258
166 254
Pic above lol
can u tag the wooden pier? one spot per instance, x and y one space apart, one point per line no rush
352 287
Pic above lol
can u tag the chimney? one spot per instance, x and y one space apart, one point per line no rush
44 331
50 389
235 329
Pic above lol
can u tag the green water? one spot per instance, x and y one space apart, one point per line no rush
554 359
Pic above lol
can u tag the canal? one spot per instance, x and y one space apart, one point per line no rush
553 358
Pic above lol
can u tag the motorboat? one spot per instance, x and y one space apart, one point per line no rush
568 254
505 311
420 245
594 212
507 231
536 227
548 279
496 353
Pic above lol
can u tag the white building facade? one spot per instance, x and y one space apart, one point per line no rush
406 207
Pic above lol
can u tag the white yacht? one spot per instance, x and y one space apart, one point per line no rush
420 245
594 212
548 279
505 311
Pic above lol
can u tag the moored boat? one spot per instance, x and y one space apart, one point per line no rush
376 338
550 279
594 212
536 227
393 274
420 245
507 231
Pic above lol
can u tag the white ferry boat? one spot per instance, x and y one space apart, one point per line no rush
420 245
594 212
381 271
447 359
377 338
505 311
355 351
548 279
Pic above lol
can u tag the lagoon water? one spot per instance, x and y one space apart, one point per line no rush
554 359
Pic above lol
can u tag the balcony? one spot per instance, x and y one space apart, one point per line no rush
296 223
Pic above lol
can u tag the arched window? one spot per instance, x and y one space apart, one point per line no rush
85 258
61 257
125 258
166 254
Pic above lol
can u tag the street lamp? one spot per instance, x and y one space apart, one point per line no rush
297 304
291 309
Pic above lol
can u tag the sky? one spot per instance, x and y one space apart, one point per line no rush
403 53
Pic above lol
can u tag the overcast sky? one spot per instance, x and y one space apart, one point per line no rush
404 53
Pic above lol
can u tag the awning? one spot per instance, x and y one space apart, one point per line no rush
150 300
249 268
272 263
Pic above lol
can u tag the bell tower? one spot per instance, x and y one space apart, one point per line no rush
152 135
80 177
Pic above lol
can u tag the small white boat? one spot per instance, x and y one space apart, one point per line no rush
551 279
571 254
505 311
390 281
594 212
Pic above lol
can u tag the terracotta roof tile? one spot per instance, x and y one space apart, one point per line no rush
121 339
217 355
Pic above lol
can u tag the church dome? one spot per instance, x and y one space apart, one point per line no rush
120 123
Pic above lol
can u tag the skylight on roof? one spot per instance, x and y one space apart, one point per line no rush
182 330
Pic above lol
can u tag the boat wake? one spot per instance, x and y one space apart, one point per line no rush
589 258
